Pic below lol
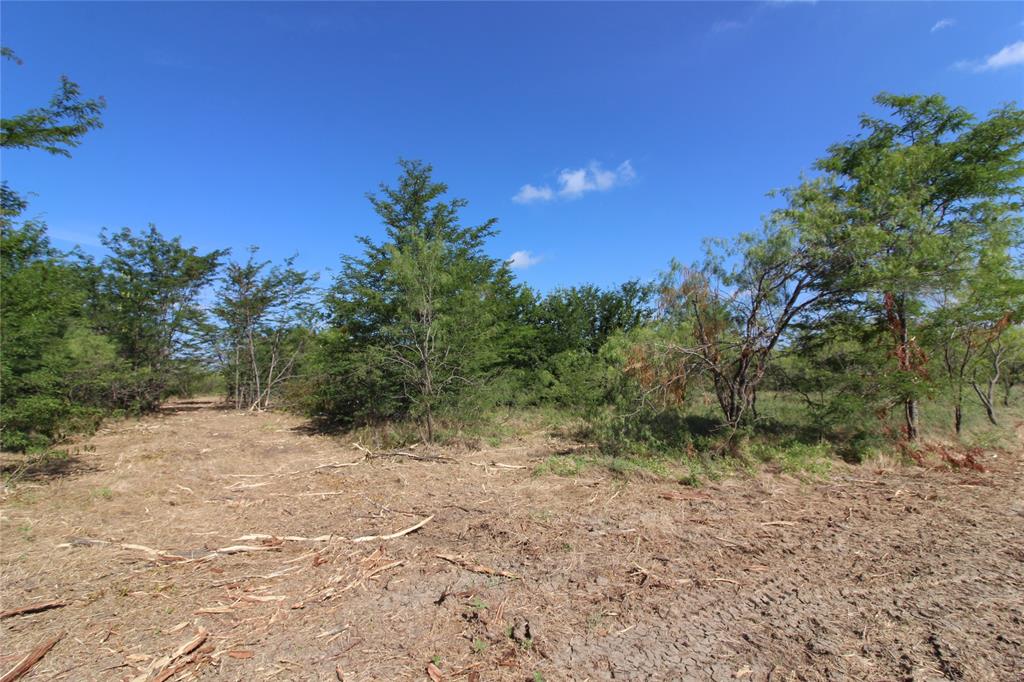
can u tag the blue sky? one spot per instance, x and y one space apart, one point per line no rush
607 138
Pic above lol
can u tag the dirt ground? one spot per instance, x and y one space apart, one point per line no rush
904 573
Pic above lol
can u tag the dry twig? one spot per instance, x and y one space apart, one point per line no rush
476 568
392 536
30 659
32 608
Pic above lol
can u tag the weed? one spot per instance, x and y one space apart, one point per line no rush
479 646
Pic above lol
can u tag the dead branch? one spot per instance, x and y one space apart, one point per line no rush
286 538
164 668
476 568
30 659
32 608
402 453
392 536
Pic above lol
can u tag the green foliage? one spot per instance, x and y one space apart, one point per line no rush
148 303
420 321
56 128
266 320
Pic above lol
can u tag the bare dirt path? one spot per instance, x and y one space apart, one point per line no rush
877 575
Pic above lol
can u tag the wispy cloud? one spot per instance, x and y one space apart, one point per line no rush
943 23
528 194
573 183
520 260
1011 55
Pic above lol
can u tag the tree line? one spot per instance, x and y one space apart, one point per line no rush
890 277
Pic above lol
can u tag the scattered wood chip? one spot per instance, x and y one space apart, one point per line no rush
402 453
433 672
30 659
264 597
214 609
778 523
476 568
286 538
239 549
164 668
32 608
392 536
369 574
240 654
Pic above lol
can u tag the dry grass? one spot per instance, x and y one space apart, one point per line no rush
865 574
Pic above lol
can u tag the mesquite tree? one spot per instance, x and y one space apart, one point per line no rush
732 311
267 318
912 201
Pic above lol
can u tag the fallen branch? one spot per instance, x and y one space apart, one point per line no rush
32 608
369 574
239 549
402 453
476 568
392 536
498 465
778 523
30 659
165 668
286 538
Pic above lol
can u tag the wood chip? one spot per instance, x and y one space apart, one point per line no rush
433 672
286 538
392 536
30 659
32 608
476 568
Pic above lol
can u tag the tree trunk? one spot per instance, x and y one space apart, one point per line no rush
958 417
910 413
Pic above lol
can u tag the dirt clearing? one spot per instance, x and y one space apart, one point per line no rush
206 543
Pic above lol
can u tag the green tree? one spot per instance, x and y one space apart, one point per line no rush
149 304
419 319
47 381
964 326
267 317
57 127
910 201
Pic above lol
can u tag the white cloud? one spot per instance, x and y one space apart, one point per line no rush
943 23
528 194
520 260
1011 55
575 182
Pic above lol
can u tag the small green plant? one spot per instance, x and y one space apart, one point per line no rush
106 493
537 677
477 604
436 660
479 646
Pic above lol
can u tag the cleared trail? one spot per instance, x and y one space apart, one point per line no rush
204 543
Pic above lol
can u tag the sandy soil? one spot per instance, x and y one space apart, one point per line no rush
906 573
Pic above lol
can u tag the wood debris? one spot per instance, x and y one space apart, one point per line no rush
286 538
30 659
166 667
476 568
32 608
392 536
